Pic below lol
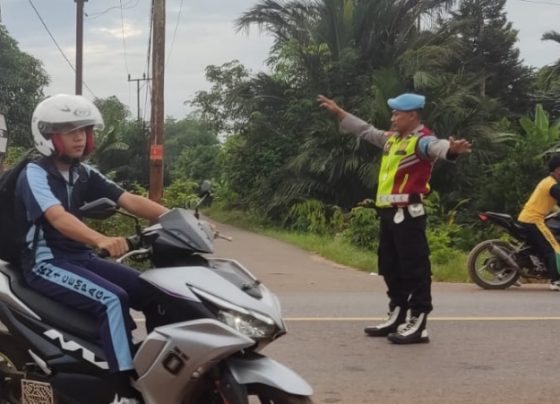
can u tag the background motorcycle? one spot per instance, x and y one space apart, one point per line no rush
498 264
209 320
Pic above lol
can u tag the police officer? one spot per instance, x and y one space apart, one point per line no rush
409 152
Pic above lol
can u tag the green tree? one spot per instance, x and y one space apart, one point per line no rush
197 163
548 82
22 80
184 139
361 52
552 73
488 52
110 149
509 180
218 106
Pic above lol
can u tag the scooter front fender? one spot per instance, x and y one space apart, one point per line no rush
262 370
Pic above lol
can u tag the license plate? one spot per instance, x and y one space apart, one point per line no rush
35 392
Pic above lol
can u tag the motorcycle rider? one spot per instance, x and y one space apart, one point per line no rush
57 258
542 201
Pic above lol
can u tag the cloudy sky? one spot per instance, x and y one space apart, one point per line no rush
199 33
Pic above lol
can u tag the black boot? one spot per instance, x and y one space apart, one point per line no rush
413 332
396 317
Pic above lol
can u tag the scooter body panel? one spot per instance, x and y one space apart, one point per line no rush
173 358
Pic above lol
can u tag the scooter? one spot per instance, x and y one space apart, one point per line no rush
209 322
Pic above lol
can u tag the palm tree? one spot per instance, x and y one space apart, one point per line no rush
552 73
360 52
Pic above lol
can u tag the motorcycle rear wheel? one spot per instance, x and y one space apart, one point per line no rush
488 270
12 357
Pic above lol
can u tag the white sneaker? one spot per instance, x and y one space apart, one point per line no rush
554 285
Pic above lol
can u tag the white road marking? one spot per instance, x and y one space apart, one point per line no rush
471 318
468 318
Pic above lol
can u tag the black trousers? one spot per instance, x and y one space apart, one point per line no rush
540 236
404 261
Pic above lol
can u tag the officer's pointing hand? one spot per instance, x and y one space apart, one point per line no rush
331 106
459 146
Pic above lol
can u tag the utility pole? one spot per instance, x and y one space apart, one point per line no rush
79 43
3 141
156 135
144 78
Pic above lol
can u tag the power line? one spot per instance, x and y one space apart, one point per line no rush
541 2
58 47
123 40
98 14
148 64
174 34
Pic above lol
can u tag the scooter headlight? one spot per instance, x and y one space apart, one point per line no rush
249 325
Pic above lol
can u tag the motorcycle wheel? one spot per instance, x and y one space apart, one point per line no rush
11 357
255 393
271 395
488 270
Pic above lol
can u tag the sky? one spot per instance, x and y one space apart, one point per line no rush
198 33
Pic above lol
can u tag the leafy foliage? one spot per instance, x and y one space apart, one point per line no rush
363 228
22 80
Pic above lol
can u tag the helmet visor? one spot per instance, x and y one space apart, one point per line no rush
65 127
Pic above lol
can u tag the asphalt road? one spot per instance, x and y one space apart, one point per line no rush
486 346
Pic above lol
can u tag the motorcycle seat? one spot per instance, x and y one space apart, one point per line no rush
56 314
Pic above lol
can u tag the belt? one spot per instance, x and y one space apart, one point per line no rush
400 198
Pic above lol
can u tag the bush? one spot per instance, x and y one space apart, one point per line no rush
363 228
314 217
181 194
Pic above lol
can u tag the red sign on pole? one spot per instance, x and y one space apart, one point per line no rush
156 152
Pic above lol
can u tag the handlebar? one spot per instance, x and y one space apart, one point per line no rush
133 243
217 234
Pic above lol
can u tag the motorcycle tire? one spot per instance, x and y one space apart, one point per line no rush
254 393
271 395
494 273
15 357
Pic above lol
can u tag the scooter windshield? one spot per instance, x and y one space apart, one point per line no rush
182 226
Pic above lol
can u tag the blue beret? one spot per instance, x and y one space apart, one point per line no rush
407 102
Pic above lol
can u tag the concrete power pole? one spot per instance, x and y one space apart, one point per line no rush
3 141
157 121
79 44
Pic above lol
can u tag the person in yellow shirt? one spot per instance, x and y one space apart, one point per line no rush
542 201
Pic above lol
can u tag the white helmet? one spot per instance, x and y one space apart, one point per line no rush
63 113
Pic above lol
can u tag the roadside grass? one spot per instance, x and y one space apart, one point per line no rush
335 248
453 270
332 248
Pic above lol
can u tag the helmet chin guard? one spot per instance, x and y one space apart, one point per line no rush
60 114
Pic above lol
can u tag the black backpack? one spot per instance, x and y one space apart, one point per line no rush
10 247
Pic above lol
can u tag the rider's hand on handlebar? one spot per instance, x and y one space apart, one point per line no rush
115 246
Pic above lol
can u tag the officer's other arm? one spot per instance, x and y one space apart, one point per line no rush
352 124
432 148
73 228
142 207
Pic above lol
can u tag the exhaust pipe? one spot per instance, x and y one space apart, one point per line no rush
494 249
